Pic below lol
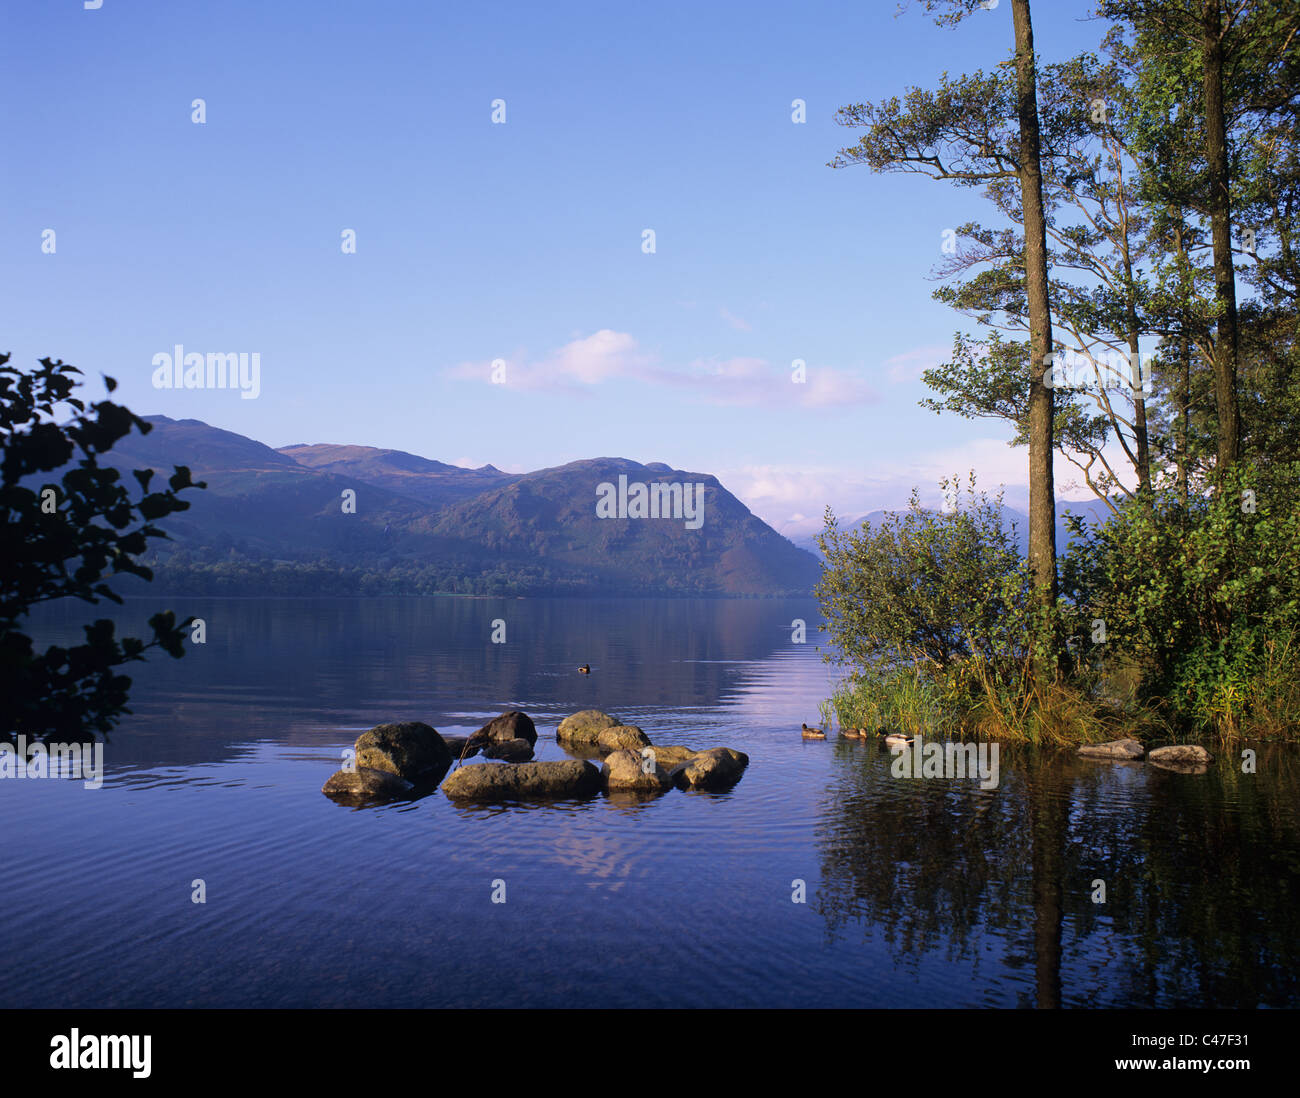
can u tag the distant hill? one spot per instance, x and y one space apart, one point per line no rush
1093 510
273 521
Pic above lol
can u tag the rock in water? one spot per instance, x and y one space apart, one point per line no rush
510 750
1186 757
411 750
670 755
715 769
509 726
585 727
622 737
1116 749
495 782
365 782
456 744
629 770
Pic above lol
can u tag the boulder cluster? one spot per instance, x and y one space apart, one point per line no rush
1185 758
633 764
394 760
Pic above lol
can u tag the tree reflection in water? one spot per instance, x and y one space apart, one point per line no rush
1201 875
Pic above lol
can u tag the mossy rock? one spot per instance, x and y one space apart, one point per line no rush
622 737
716 769
625 770
670 755
410 749
364 783
509 750
520 781
514 725
585 727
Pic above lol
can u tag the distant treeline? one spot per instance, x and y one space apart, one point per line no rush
252 577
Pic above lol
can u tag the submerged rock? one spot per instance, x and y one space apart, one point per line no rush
509 726
1115 749
511 750
629 770
585 727
410 749
365 782
496 782
715 769
1185 757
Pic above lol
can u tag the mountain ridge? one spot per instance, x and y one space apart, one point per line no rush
368 519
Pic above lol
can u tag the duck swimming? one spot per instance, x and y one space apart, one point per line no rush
813 733
896 739
585 669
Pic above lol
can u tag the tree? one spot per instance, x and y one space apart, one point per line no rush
961 133
66 539
1095 229
1232 68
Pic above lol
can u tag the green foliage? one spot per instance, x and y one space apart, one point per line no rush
926 587
67 539
1198 598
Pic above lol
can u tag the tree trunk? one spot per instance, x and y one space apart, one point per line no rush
1220 210
1185 419
1140 434
1182 429
1042 494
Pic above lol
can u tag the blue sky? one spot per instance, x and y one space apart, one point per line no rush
519 241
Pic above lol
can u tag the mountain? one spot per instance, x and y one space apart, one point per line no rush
258 503
551 515
281 521
430 482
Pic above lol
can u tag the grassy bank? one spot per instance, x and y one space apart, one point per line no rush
967 701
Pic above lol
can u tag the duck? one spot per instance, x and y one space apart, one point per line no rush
813 733
896 739
585 669
853 733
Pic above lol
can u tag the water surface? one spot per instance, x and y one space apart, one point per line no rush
920 892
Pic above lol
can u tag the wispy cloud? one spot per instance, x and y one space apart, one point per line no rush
591 360
608 356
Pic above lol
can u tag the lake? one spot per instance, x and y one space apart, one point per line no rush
919 892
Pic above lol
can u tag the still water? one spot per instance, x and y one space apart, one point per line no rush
919 892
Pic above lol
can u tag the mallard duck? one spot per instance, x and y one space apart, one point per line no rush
812 733
853 733
897 739
585 669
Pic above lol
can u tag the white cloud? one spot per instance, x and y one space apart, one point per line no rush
608 356
587 361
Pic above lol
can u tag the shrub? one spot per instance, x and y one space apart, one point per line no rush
66 539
